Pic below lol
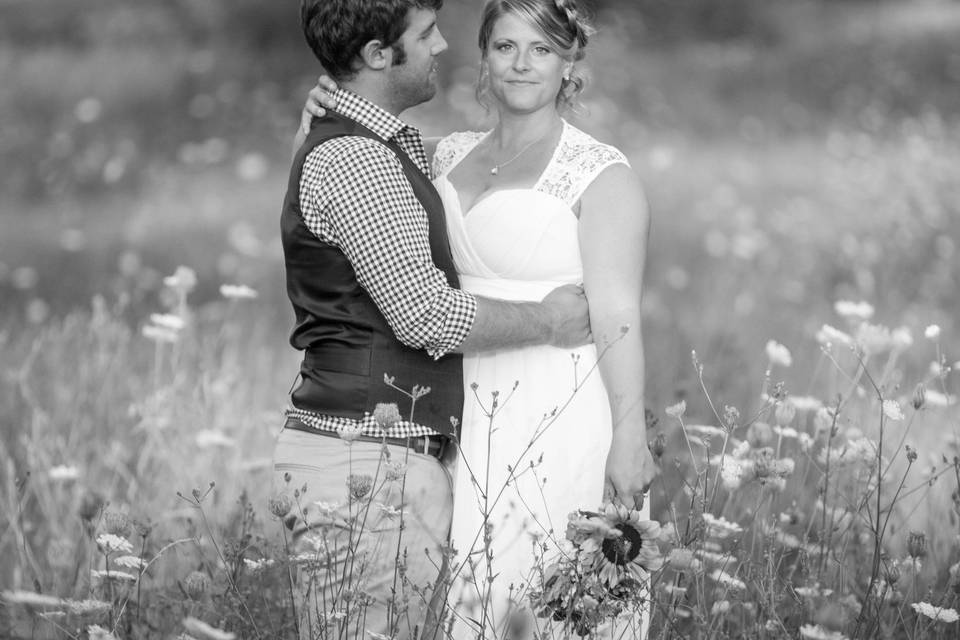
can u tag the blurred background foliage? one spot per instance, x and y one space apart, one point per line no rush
794 151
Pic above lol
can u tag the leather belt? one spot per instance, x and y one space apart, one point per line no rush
434 446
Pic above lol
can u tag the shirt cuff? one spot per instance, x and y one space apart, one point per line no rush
459 322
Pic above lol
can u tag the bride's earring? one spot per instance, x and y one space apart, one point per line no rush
483 86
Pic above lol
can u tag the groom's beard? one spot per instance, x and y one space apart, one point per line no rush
412 87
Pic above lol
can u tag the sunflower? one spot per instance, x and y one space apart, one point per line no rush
623 547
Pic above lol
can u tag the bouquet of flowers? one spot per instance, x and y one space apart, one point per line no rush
602 570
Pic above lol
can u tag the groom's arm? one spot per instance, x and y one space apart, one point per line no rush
355 196
561 319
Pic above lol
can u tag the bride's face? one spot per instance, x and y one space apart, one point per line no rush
525 70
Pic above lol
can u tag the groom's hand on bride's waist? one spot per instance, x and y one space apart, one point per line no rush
569 316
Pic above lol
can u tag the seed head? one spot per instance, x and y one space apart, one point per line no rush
386 415
658 445
359 485
393 471
784 413
919 396
90 505
117 523
916 544
280 505
196 584
891 573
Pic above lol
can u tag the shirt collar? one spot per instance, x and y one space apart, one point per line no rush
381 122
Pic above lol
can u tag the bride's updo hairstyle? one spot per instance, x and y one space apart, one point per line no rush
563 24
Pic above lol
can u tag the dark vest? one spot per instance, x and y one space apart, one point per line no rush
349 346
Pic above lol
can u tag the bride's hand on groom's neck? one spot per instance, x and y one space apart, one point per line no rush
319 99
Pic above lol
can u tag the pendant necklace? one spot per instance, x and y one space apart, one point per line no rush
496 168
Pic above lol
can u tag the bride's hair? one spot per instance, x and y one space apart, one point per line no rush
562 22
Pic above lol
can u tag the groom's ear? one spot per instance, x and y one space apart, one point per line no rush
375 56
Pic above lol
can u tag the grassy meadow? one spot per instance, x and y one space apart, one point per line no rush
795 154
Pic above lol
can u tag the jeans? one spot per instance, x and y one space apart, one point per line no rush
369 523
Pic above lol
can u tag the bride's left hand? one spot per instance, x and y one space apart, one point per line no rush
629 472
318 101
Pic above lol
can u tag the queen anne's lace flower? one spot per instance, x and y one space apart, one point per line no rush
720 527
728 581
940 614
201 629
816 632
778 354
854 310
111 543
891 409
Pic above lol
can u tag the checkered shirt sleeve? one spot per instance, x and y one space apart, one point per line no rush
354 195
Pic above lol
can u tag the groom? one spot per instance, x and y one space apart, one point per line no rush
379 315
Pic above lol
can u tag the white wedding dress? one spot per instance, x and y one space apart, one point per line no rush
542 454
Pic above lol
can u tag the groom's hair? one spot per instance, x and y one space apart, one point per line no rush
337 30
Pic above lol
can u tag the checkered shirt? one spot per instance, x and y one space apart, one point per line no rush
354 196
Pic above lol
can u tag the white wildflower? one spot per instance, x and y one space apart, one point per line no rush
30 598
733 472
778 354
327 509
111 543
813 591
932 332
816 632
87 607
720 526
237 292
805 403
806 442
874 338
64 472
255 566
891 409
119 576
159 334
720 607
740 449
389 511
824 420
96 632
130 562
201 629
207 438
941 614
184 279
168 321
730 582
350 432
901 338
713 557
853 310
683 559
828 336
677 410
673 590
707 430
786 432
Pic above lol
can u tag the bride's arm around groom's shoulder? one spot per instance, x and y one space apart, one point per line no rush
614 231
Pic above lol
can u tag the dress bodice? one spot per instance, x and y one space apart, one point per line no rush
523 234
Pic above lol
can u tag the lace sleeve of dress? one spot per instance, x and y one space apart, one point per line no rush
452 148
578 162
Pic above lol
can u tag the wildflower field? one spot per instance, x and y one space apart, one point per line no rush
803 168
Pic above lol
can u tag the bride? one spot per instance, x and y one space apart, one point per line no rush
532 204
